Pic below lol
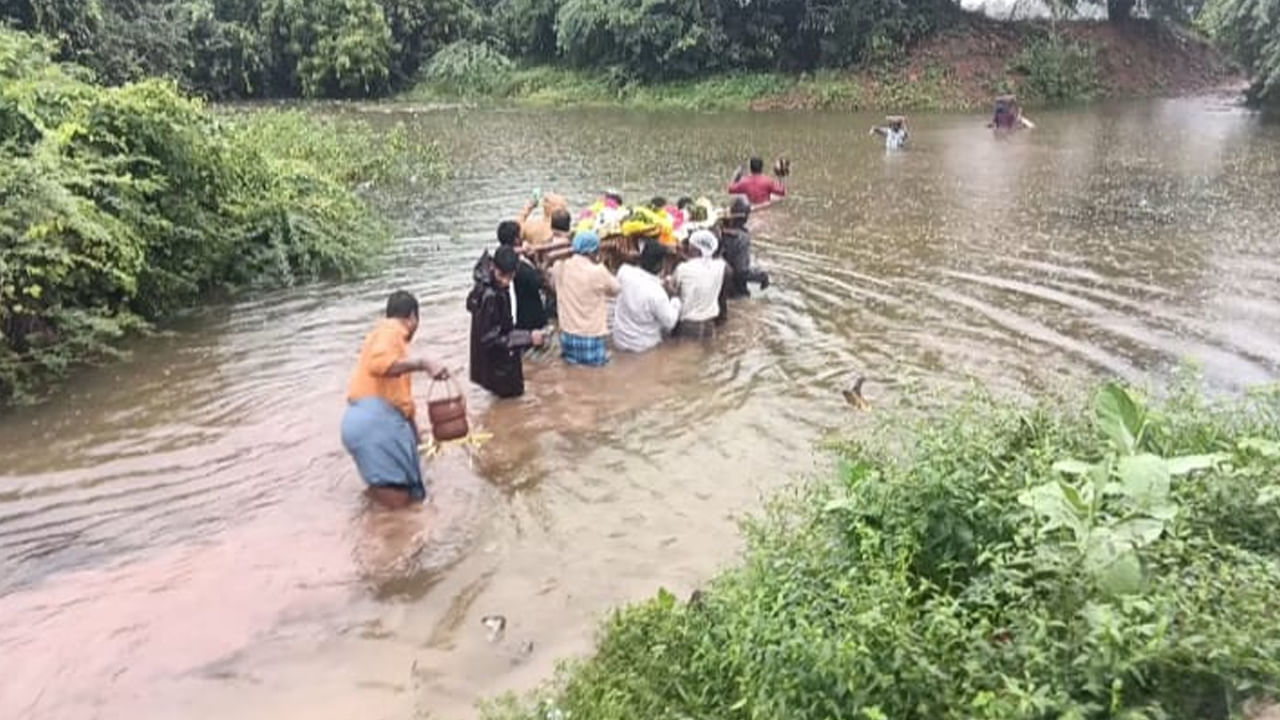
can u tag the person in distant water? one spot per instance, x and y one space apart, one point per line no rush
644 311
736 243
539 230
378 427
702 283
583 288
527 293
758 187
895 133
496 342
1008 115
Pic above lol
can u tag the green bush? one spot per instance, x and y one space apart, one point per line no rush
358 48
467 68
329 48
120 205
1250 31
1002 561
1056 69
529 27
421 28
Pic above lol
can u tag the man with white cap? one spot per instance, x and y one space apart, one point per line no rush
583 288
701 283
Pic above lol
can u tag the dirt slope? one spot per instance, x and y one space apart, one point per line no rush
1138 58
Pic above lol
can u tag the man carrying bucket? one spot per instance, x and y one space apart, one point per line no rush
378 428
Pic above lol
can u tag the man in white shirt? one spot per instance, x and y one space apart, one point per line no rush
895 133
644 311
702 283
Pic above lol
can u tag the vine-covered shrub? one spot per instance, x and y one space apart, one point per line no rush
119 205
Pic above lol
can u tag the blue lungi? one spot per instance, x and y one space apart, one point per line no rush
579 350
384 445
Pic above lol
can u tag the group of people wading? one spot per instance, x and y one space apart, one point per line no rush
677 268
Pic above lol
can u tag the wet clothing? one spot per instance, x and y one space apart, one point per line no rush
895 139
531 302
736 245
694 330
526 293
384 346
384 444
701 282
496 344
583 289
581 350
643 311
758 187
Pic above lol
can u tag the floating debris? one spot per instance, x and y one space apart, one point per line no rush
496 625
853 394
472 442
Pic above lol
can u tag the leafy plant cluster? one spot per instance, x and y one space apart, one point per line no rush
1250 31
252 48
121 205
674 39
361 48
1002 561
1055 68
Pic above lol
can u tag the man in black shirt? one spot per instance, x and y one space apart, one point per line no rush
526 291
735 248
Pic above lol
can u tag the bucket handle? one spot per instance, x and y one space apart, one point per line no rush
451 386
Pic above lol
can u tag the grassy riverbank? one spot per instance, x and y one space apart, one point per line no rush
956 69
1118 560
124 205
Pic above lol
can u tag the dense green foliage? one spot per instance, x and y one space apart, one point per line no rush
468 68
241 48
345 48
1002 561
120 205
1055 68
1250 31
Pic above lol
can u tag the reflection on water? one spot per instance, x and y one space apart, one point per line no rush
182 535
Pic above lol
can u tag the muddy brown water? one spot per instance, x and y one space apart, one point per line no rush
182 536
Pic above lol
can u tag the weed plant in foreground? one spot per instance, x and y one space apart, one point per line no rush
999 560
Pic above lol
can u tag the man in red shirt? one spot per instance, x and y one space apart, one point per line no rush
758 187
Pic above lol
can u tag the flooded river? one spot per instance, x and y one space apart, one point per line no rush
181 534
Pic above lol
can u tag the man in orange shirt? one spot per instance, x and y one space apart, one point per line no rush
378 428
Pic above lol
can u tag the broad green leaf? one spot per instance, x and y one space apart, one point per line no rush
1080 500
1119 417
1123 576
1051 503
1268 495
844 503
1145 479
1191 463
1260 446
1072 467
1139 532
